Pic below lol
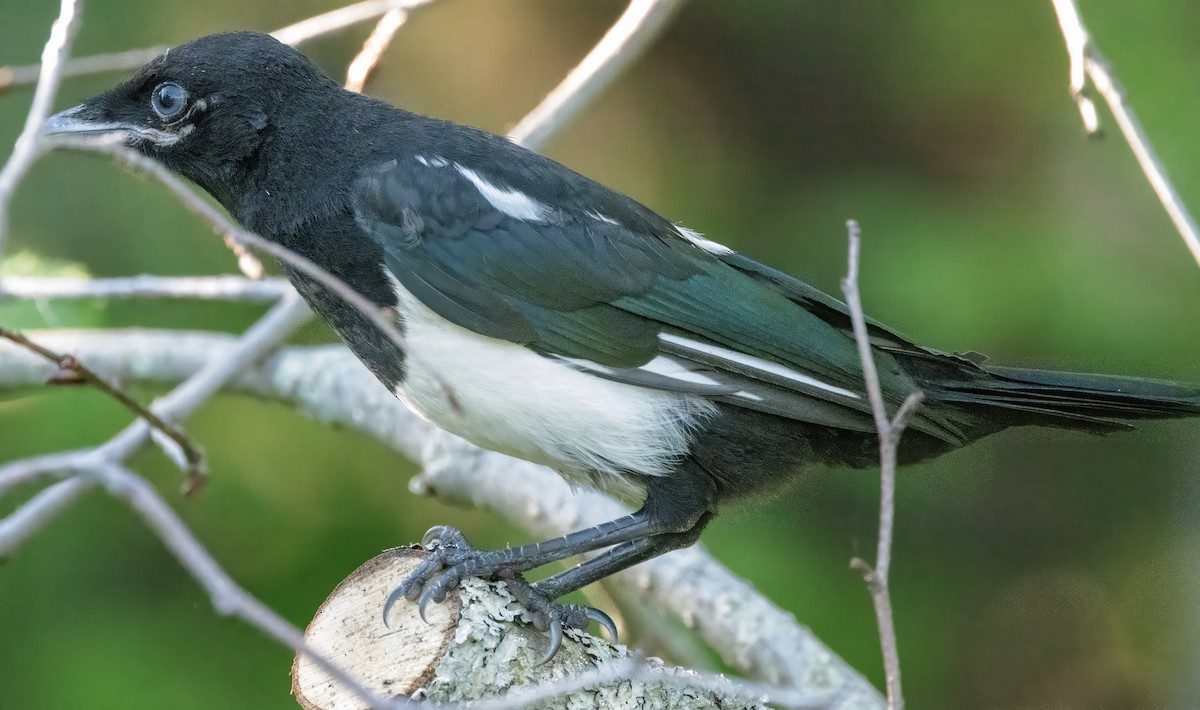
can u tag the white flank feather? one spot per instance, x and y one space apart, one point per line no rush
507 398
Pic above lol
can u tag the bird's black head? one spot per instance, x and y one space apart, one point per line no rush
206 109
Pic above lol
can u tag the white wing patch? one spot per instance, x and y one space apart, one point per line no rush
514 203
600 217
507 398
669 367
754 363
699 240
434 162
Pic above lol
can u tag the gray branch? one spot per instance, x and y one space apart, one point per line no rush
197 288
330 385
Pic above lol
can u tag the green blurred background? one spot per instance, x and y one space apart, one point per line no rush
1033 569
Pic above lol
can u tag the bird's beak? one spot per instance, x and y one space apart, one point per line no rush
80 121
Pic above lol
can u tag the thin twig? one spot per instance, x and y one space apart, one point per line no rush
26 150
227 597
889 431
293 34
265 335
39 510
625 42
247 262
1088 63
95 64
202 288
72 371
363 66
340 19
226 226
260 339
60 464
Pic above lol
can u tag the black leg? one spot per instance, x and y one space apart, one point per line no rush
616 559
454 559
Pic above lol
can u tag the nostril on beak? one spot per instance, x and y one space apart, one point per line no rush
64 122
75 121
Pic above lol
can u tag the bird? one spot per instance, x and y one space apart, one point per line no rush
545 316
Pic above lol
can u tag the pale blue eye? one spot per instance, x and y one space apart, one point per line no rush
169 100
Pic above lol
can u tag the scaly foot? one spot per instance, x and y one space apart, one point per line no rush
452 559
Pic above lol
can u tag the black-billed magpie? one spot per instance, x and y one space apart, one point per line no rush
550 318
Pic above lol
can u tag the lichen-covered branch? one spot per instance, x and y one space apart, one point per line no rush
479 647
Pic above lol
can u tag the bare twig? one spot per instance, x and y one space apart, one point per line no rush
257 341
59 464
227 597
71 370
49 503
377 315
202 288
95 64
25 151
260 339
340 19
890 431
103 462
294 34
633 33
1088 63
247 262
102 465
368 57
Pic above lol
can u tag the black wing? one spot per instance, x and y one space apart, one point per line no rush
532 253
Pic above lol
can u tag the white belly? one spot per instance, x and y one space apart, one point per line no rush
504 397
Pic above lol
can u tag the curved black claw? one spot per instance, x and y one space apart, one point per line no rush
448 547
604 620
556 639
444 535
387 605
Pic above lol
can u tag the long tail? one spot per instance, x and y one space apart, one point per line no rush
1099 403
